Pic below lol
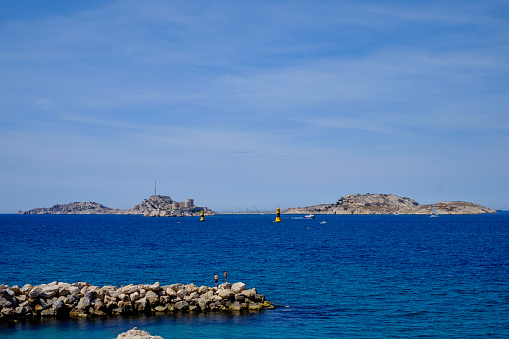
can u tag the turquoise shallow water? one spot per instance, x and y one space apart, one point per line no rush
354 277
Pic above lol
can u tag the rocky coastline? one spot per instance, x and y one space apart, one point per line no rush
388 204
82 300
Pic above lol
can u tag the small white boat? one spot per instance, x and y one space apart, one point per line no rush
309 216
323 222
434 213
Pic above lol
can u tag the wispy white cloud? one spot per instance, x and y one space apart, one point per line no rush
241 86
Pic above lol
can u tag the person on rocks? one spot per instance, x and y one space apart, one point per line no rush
215 279
224 276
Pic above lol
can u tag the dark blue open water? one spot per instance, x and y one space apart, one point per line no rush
354 277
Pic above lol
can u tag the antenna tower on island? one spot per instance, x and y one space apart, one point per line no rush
155 187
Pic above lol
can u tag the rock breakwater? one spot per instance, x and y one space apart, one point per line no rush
82 300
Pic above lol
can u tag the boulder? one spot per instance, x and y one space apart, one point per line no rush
16 290
8 312
160 309
21 298
63 291
226 294
35 292
75 312
163 300
240 298
44 305
255 306
216 299
58 304
8 293
129 289
134 296
72 299
84 303
73 290
259 297
137 334
26 289
6 302
236 306
182 306
152 298
225 286
98 303
202 304
177 287
171 293
22 310
155 287
109 300
142 305
181 293
191 288
249 293
124 297
90 294
49 291
238 287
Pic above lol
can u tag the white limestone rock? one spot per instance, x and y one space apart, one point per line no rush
135 333
238 287
49 291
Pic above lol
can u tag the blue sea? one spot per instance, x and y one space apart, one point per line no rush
403 276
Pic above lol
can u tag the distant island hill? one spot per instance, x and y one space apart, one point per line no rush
154 206
388 204
164 206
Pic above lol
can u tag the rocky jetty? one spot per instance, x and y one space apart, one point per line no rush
154 206
82 300
388 204
135 333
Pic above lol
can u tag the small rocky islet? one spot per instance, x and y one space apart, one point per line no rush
82 300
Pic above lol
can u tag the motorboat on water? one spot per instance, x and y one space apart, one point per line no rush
309 216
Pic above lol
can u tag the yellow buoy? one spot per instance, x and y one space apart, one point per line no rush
278 216
202 216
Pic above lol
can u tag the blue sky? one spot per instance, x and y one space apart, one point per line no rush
253 104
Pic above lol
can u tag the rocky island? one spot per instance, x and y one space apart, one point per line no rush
388 204
82 300
154 206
